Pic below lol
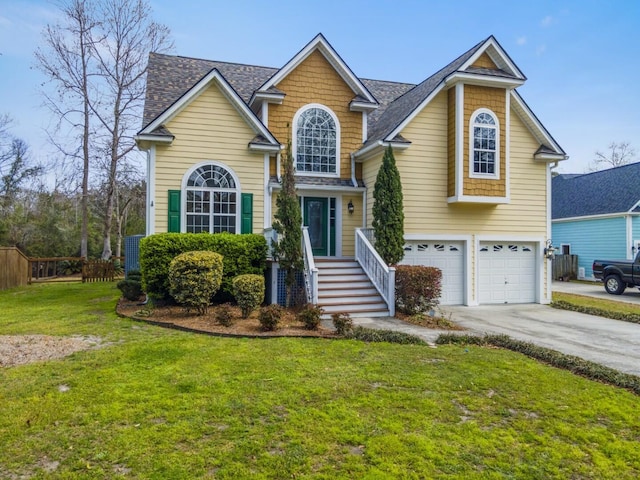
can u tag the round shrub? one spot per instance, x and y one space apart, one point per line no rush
194 277
342 322
131 289
134 275
248 291
310 316
224 315
270 316
418 288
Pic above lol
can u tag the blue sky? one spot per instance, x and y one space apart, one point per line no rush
581 58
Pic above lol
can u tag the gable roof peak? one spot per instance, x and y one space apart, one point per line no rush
321 44
498 56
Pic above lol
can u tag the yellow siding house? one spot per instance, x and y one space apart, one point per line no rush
473 158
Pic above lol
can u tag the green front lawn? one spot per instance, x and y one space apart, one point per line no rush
597 303
158 403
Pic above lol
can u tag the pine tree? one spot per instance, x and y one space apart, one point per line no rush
388 214
288 224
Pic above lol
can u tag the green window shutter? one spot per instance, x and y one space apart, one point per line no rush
246 218
174 211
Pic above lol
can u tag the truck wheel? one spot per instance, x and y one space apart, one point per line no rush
614 285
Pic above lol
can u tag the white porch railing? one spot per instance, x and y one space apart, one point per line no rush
382 276
310 270
272 237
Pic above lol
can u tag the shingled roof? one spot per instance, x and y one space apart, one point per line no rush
616 190
170 77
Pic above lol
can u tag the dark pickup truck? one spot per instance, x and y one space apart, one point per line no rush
618 274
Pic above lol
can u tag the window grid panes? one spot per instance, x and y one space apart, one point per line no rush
484 144
211 205
316 142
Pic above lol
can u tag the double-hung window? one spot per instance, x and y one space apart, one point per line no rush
484 144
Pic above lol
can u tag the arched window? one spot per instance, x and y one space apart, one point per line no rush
484 144
212 198
316 141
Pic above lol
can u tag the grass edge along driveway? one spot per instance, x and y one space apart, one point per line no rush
158 403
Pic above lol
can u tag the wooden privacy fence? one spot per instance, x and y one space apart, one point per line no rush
98 271
565 267
14 268
53 267
73 269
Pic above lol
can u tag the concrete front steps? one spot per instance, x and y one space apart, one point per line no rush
344 287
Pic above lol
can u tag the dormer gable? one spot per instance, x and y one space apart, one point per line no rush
363 100
489 66
156 132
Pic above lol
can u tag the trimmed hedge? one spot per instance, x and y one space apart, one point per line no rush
248 291
310 316
131 289
242 254
390 336
574 364
418 288
625 317
342 322
270 316
194 278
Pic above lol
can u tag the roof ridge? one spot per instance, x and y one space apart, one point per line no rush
186 57
635 163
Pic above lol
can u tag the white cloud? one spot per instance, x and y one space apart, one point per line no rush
547 21
541 49
521 40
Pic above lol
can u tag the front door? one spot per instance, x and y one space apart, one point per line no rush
315 213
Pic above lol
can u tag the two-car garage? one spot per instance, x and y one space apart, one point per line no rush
507 271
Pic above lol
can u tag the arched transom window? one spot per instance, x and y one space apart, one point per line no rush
212 197
316 141
484 149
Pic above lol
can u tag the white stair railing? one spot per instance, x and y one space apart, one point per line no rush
381 275
272 237
310 270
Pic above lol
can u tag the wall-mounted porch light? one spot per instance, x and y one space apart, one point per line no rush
350 207
549 250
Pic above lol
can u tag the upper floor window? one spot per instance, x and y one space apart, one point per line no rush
316 140
211 200
484 144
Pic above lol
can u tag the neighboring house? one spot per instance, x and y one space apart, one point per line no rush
597 215
473 158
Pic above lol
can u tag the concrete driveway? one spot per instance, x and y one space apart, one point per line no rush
608 342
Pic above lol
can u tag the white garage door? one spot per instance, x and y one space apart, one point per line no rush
507 272
449 258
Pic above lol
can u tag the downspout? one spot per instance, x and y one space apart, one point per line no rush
278 176
353 170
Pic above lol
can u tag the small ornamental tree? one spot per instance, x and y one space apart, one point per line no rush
288 224
388 214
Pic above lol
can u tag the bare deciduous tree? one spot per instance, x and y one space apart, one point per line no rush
98 60
66 61
618 154
129 34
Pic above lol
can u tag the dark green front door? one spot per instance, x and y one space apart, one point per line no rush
316 217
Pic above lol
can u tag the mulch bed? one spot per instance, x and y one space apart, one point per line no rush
172 316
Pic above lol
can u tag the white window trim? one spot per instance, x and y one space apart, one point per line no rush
294 142
472 174
183 192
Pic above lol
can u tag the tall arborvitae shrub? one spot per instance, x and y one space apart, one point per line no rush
388 214
288 223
